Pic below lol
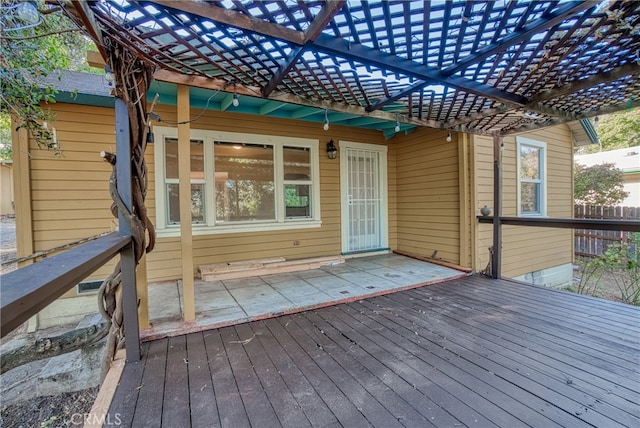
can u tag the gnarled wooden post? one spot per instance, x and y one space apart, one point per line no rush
132 78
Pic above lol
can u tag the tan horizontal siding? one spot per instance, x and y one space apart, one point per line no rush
164 262
428 206
70 193
527 249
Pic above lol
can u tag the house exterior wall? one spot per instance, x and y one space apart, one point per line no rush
164 262
435 190
70 193
628 161
525 249
6 189
428 195
70 196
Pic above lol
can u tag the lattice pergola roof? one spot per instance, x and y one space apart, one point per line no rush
482 67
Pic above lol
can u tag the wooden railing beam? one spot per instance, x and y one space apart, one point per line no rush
28 290
568 223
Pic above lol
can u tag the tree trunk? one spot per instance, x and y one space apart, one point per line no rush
52 346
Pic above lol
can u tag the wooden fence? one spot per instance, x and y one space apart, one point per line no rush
593 243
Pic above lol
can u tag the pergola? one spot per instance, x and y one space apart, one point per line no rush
489 68
492 68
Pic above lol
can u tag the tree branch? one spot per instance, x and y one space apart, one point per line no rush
37 36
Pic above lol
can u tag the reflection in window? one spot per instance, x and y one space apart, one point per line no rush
297 182
245 183
197 181
531 174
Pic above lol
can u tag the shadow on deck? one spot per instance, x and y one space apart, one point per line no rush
466 352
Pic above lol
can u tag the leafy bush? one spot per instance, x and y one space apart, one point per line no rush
622 262
591 272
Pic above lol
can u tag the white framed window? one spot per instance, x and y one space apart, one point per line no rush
532 177
239 182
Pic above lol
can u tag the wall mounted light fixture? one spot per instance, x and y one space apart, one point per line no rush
332 150
108 75
397 128
449 137
236 101
19 15
326 120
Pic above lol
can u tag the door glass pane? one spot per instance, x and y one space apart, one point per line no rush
197 203
245 185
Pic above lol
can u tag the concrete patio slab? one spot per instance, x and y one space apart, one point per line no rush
234 301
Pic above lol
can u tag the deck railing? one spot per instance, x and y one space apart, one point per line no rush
28 290
564 223
593 243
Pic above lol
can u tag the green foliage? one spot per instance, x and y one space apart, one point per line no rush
619 130
27 57
598 185
5 137
591 272
616 131
622 262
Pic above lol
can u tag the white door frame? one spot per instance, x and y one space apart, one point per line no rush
344 191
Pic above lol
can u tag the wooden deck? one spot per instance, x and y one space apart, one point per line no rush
469 352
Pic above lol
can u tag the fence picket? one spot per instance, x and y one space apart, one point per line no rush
593 243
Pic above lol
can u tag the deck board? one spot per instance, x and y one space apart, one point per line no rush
148 411
176 393
514 349
516 393
204 411
227 396
467 352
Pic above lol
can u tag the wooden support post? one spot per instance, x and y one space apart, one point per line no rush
22 199
496 257
184 178
127 256
143 293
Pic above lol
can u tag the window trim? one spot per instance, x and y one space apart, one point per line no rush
542 146
209 137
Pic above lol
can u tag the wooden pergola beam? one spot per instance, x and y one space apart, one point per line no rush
631 104
322 19
86 17
545 22
319 23
591 81
514 38
283 69
535 103
391 63
222 85
235 19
